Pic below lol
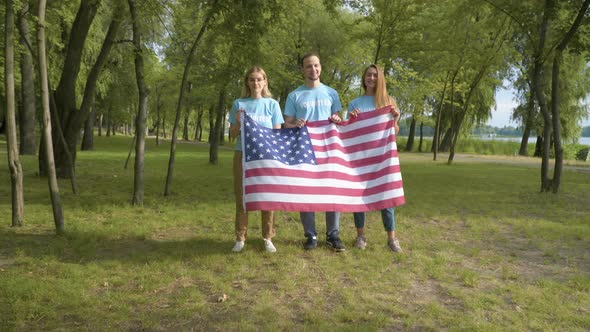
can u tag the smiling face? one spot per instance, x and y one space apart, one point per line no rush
311 70
256 84
370 79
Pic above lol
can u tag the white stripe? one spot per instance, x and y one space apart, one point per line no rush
324 167
353 126
379 151
323 199
374 136
311 183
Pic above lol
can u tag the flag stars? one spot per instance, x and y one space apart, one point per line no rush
288 146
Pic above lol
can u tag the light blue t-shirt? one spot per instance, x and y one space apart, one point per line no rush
312 104
265 111
363 103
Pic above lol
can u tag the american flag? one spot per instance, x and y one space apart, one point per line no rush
348 167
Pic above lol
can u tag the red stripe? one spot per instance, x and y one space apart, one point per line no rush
356 163
282 189
371 129
355 148
362 116
314 207
250 173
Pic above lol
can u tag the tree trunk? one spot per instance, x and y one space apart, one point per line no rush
213 148
410 144
183 86
50 164
524 142
88 138
164 126
14 165
539 94
158 122
556 123
539 147
455 134
100 118
446 141
108 121
76 119
221 128
528 123
185 126
435 140
140 124
555 112
28 114
421 136
65 94
199 125
211 123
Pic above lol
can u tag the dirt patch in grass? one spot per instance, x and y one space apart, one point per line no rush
5 262
555 261
430 291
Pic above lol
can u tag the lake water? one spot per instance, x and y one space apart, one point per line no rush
581 140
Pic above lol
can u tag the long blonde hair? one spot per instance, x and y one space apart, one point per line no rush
246 89
382 99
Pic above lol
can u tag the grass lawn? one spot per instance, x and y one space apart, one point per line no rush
483 250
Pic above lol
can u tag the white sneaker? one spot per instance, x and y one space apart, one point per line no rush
269 246
238 246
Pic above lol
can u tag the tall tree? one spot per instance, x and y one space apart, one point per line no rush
88 137
27 115
91 82
65 93
14 165
184 86
555 105
56 205
140 126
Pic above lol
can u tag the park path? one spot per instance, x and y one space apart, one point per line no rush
575 166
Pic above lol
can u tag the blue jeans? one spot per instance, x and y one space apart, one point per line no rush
308 221
388 216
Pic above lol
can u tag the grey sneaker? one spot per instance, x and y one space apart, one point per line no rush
393 244
360 242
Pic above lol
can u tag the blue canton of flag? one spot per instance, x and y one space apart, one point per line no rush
290 146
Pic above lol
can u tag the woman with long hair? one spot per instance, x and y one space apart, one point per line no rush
256 101
375 97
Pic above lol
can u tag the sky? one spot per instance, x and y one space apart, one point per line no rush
505 104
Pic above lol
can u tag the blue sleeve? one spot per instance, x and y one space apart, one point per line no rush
351 106
290 106
232 113
336 106
277 117
349 109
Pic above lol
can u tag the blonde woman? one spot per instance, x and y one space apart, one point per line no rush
375 97
257 102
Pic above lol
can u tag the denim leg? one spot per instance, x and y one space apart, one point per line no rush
308 221
388 216
359 219
332 224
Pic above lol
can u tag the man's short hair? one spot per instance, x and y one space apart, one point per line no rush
307 55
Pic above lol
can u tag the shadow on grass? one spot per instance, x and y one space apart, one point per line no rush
84 248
